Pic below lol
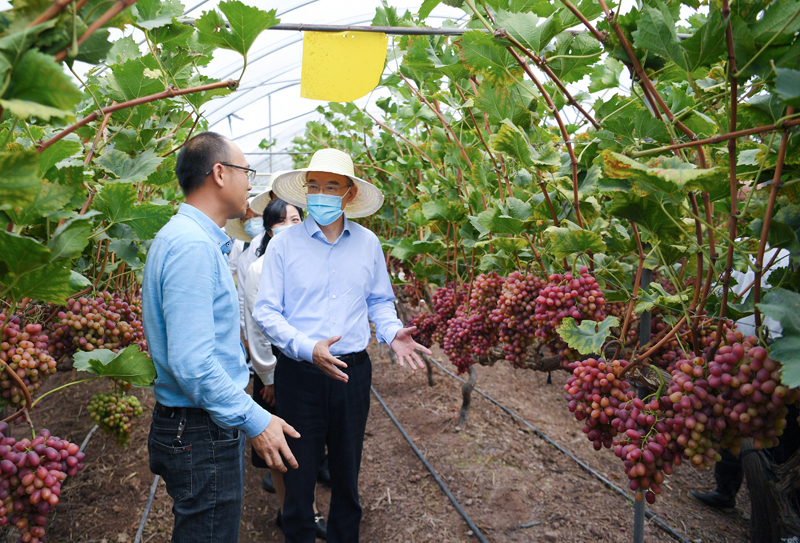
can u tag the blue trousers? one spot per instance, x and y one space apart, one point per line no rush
202 465
325 412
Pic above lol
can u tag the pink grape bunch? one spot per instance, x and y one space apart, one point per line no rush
594 394
645 445
693 413
755 399
114 413
579 297
472 332
31 475
445 302
108 321
515 315
426 326
25 349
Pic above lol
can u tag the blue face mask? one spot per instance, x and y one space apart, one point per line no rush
324 208
278 229
254 227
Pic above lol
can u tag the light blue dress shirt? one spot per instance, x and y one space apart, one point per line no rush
191 322
312 290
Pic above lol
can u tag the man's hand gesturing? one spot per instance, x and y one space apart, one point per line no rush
328 363
271 444
405 348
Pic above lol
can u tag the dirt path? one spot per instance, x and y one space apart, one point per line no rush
504 475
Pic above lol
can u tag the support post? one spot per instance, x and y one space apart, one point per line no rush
466 395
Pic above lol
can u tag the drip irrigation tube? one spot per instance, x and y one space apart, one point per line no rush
432 471
88 437
140 531
650 515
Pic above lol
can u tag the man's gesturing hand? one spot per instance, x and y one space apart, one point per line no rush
325 361
271 444
405 348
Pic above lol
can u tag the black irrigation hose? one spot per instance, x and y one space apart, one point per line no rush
140 531
666 527
432 471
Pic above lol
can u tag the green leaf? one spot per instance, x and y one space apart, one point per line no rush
529 29
407 248
657 33
164 174
498 102
22 254
118 203
50 283
483 56
444 211
774 19
77 282
571 67
95 49
197 99
20 182
707 45
666 174
122 50
589 336
50 198
150 14
56 153
513 142
566 243
787 86
127 250
426 8
132 170
135 78
71 238
26 96
784 306
246 24
495 221
646 213
606 76
172 35
129 365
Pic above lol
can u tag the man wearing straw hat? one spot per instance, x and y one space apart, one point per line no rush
323 281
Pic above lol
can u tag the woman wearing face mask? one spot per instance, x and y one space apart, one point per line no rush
278 216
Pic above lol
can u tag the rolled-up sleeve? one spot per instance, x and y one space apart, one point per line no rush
260 348
380 302
190 343
268 309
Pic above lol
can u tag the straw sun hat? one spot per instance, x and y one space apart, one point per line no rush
289 186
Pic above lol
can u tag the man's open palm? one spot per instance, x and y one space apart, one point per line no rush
405 348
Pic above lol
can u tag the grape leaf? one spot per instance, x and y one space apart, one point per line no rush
95 48
118 203
588 337
444 211
498 102
26 96
132 170
22 254
122 50
529 29
706 45
657 33
50 283
666 174
129 365
774 19
56 153
495 221
172 35
408 248
572 67
71 238
150 14
246 24
513 142
787 86
20 182
646 213
565 243
481 55
606 76
784 306
50 198
135 78
164 174
426 8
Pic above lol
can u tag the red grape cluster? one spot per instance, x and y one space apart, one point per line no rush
515 315
645 446
25 349
31 475
472 331
568 296
109 321
426 326
594 394
755 400
445 302
114 413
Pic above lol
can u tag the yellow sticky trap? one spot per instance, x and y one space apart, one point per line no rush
341 66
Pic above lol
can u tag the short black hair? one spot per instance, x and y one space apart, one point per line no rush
198 156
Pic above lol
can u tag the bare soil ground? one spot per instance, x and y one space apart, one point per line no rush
515 486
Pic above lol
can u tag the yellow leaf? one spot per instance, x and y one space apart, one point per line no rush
341 66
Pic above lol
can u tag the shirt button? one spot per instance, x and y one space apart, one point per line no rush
334 296
334 271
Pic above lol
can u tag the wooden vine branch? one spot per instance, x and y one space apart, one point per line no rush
98 136
385 127
699 276
601 36
169 93
773 196
552 107
103 19
542 64
57 7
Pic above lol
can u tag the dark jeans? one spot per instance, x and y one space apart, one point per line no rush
204 474
325 412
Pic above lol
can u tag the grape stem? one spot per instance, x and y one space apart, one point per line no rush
65 386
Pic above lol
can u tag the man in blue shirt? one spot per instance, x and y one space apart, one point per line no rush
191 321
323 280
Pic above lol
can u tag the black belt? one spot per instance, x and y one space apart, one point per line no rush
173 412
353 359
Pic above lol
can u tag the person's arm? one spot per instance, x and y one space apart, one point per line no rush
189 281
268 308
260 348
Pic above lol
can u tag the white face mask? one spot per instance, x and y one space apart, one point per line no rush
278 229
254 227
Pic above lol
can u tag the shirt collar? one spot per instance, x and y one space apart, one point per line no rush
213 231
313 228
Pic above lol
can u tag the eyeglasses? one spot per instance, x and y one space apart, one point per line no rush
330 190
251 173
